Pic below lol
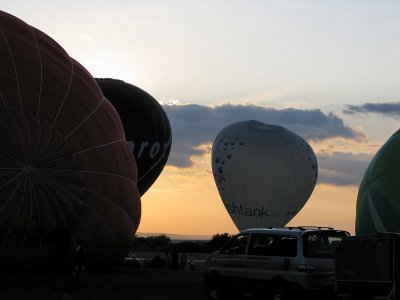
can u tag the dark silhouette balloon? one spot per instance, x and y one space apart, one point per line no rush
146 125
66 170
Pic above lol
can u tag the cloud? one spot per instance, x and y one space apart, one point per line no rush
342 169
194 125
390 109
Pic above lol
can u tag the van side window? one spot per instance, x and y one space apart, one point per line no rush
261 244
321 244
237 245
273 245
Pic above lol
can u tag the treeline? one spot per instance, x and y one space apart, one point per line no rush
165 244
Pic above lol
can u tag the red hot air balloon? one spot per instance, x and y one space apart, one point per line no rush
66 170
146 125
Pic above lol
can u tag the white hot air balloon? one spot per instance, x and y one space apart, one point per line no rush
264 173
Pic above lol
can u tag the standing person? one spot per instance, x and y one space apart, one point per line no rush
192 262
183 261
175 260
80 258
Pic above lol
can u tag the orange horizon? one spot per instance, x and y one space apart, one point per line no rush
186 202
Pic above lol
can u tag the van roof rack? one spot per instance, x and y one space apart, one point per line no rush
303 228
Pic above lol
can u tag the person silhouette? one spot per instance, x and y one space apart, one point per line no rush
80 258
192 262
183 261
175 260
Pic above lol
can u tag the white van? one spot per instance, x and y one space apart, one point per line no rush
277 260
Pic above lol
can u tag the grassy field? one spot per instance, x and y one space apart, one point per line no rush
120 283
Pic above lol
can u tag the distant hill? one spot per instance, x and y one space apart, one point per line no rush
177 237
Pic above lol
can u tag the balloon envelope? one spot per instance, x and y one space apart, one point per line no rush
264 173
146 125
66 171
378 203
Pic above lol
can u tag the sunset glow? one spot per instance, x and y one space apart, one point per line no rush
326 70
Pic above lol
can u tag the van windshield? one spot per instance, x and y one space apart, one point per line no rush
321 244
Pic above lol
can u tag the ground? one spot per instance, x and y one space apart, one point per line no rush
118 283
138 284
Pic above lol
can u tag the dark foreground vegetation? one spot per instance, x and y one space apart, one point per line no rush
164 244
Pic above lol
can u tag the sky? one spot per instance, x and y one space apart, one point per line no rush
326 70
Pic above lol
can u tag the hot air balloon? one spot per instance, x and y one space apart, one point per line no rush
378 203
146 125
66 170
264 173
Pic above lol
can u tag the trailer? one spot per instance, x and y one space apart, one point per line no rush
367 267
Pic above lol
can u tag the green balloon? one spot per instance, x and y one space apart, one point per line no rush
378 200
